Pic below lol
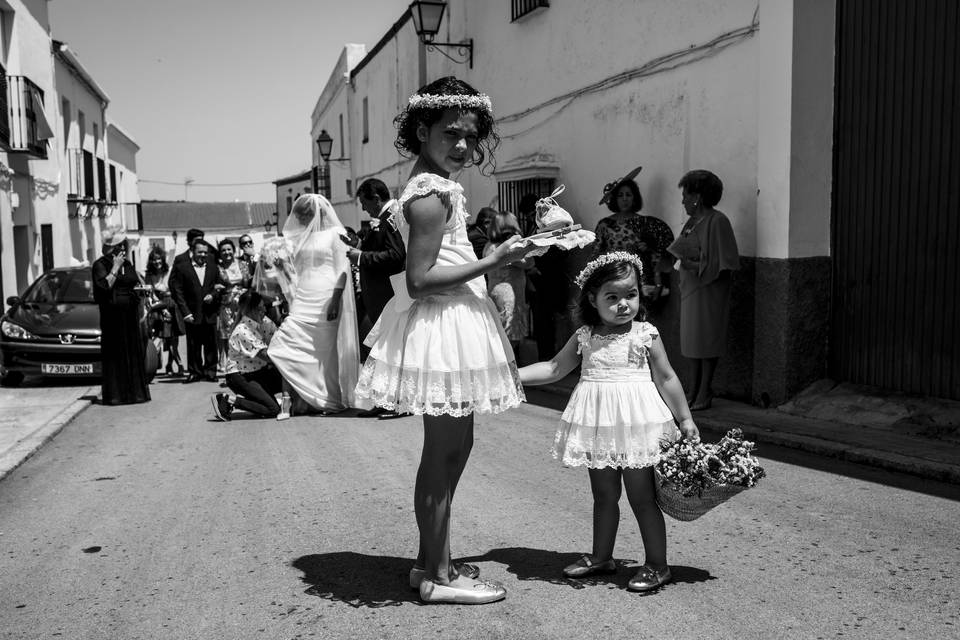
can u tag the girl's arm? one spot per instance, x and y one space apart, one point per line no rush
563 363
668 384
427 217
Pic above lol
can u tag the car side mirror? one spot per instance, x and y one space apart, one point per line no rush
13 301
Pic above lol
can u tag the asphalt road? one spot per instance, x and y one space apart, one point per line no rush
154 521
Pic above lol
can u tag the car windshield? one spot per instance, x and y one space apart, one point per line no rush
57 287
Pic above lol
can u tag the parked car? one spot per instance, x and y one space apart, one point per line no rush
53 330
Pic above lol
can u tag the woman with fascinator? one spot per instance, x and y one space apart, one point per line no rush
122 342
316 348
645 236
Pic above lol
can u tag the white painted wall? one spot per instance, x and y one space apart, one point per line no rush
33 185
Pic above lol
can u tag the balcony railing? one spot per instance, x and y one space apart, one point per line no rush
521 8
23 99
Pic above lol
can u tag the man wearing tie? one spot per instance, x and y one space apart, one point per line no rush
381 254
195 287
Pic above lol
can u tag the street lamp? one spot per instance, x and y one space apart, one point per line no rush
324 146
427 15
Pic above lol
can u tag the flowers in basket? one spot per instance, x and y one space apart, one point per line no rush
693 477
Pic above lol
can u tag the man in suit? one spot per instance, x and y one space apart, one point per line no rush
381 254
195 287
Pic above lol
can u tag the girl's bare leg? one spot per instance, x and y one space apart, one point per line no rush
606 487
441 464
642 497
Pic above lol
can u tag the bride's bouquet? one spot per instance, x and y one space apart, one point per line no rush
693 477
275 274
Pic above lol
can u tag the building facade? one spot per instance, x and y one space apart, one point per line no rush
750 92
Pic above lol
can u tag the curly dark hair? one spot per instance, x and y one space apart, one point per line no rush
634 189
225 242
585 312
407 142
705 184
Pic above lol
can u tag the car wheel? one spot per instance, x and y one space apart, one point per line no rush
152 361
11 379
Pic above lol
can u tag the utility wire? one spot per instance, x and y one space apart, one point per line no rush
204 184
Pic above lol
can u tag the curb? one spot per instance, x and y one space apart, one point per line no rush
27 446
818 446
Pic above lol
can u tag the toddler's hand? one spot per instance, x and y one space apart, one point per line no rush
689 430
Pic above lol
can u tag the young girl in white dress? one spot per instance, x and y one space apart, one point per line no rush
438 350
626 402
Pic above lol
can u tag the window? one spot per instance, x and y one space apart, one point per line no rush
101 179
366 122
341 136
65 114
88 189
82 126
96 138
113 184
521 8
46 246
512 191
4 109
349 187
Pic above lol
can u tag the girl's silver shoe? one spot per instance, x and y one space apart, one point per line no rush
648 579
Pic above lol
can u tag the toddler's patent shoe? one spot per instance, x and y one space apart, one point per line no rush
585 566
648 579
461 591
417 574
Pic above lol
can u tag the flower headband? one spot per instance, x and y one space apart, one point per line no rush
433 101
607 258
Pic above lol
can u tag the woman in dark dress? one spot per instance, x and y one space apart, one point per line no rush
122 344
646 236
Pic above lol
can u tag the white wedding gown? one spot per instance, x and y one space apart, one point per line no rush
319 358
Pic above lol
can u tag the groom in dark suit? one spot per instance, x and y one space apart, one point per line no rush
381 255
195 286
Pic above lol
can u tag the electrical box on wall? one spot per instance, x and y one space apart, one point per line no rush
14 200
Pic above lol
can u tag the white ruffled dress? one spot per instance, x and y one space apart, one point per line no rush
446 353
615 417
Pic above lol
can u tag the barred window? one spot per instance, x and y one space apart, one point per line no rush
512 191
521 8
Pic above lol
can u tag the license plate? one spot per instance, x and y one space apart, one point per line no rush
66 369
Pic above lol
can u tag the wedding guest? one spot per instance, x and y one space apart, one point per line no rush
250 375
248 254
548 282
157 270
122 341
477 232
507 283
196 287
646 236
707 253
163 311
380 256
237 278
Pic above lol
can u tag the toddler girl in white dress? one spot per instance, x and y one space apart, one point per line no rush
625 403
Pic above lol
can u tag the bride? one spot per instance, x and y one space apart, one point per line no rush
316 349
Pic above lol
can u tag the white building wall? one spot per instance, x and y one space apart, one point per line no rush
695 109
31 193
387 79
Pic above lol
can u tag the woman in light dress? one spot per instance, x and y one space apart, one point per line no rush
316 348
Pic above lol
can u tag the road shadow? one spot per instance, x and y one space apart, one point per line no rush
547 566
357 579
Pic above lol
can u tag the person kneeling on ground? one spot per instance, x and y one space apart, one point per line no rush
249 373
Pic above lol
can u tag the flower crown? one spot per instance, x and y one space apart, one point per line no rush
438 100
607 258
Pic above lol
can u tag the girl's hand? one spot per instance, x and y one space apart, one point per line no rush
689 430
510 250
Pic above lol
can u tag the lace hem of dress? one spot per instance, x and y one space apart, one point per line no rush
605 460
458 394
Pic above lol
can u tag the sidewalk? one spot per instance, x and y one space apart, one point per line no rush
32 414
908 435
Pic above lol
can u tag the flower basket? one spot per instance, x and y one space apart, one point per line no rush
692 478
675 504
